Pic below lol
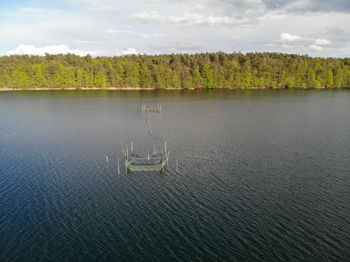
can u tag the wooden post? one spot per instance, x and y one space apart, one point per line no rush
149 127
122 145
167 157
177 164
118 167
132 147
107 160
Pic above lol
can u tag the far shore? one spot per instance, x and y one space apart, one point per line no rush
90 88
150 89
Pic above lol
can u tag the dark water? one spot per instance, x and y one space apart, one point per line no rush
263 176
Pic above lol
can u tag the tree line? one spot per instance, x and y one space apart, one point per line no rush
205 70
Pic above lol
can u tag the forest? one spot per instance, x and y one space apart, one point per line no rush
205 70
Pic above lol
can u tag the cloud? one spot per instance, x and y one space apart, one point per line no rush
304 6
192 19
322 42
316 48
177 46
303 42
180 26
285 37
109 9
114 32
128 51
33 10
232 6
244 7
84 42
52 49
148 36
236 37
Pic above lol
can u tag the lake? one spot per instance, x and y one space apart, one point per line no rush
264 175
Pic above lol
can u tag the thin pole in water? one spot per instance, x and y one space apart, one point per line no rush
126 165
118 167
149 127
107 160
177 165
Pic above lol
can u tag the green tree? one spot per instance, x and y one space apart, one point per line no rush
206 70
208 80
176 81
20 79
100 80
78 80
329 79
39 79
196 80
339 77
145 77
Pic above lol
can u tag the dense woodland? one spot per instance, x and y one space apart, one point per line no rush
207 70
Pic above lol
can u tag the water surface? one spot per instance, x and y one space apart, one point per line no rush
263 176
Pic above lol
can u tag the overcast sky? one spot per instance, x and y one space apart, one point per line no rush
107 27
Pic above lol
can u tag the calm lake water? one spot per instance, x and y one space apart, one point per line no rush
263 176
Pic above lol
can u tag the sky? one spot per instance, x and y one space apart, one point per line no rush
318 28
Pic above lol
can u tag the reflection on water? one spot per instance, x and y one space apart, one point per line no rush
263 175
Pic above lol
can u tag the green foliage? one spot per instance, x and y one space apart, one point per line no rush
208 70
208 80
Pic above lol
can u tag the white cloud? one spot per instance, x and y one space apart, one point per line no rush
235 37
298 5
289 38
322 42
296 42
187 19
237 7
285 37
114 32
176 46
148 36
110 31
84 42
316 48
109 9
52 49
201 26
128 51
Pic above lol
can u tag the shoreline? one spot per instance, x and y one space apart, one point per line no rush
153 89
92 89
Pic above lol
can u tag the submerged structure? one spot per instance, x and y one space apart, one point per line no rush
157 108
152 162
